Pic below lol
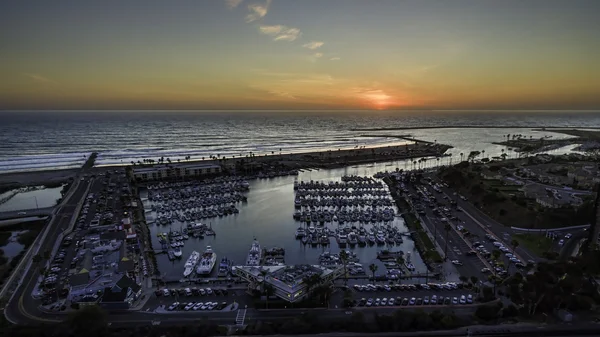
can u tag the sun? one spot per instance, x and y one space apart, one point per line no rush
378 99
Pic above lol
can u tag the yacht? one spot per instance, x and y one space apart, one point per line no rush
254 254
191 263
207 263
224 267
352 238
300 232
177 252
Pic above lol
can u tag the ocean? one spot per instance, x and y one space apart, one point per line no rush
41 140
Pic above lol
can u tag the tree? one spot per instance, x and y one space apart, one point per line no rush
89 321
463 279
37 258
373 268
474 280
447 229
400 261
344 258
268 291
311 281
496 254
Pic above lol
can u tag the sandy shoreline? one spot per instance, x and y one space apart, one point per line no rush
315 159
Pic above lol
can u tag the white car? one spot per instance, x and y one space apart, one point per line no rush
412 301
456 263
173 306
189 306
561 242
391 302
568 236
198 306
384 301
209 291
463 300
469 298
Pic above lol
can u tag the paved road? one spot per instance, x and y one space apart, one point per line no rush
23 308
28 213
489 225
457 245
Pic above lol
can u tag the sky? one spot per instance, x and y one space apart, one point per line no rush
299 54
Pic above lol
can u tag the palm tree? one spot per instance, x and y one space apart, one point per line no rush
483 153
344 258
447 229
496 254
400 262
311 281
268 291
461 156
373 269
514 244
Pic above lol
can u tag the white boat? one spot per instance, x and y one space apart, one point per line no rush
224 267
191 263
254 254
207 262
177 252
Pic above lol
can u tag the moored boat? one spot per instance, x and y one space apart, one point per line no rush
207 262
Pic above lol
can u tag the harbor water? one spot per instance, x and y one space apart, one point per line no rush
268 216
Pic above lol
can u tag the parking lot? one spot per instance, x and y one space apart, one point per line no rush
412 294
193 298
469 246
101 213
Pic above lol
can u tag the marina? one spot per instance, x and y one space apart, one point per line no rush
267 216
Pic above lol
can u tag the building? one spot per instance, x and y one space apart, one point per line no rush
121 295
595 226
288 282
174 171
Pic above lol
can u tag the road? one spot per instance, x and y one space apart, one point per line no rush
28 213
458 245
22 308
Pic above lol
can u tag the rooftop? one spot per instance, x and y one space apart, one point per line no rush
175 166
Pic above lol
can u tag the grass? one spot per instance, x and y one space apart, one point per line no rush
537 244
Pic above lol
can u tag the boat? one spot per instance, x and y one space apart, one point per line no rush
191 263
254 254
300 232
224 267
177 252
207 262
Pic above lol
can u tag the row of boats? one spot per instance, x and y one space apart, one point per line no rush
203 264
367 183
341 215
215 184
352 236
195 203
369 201
169 217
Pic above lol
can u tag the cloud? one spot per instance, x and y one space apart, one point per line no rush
290 34
280 32
282 94
233 3
318 55
271 30
314 45
257 11
40 79
334 59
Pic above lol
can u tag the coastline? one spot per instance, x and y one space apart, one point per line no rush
301 160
